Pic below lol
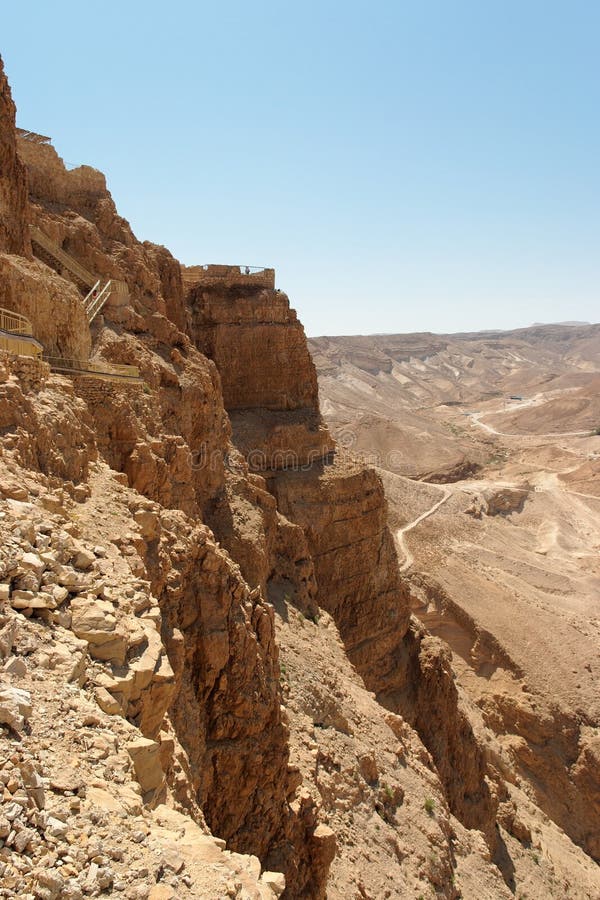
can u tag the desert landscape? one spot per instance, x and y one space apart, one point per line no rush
281 618
494 499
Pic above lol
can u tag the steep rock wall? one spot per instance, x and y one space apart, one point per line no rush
342 509
52 305
258 345
340 505
207 692
77 189
13 178
430 702
200 677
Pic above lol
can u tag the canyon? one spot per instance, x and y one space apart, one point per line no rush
493 494
217 677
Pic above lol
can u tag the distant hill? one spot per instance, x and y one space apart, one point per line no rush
574 322
383 389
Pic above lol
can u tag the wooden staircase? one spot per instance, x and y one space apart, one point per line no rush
49 252
95 300
16 335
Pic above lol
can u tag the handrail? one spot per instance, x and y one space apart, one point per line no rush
91 295
117 368
51 247
14 322
96 303
93 301
59 363
33 136
244 270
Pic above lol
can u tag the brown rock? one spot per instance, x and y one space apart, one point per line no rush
343 512
258 345
145 755
107 702
13 179
162 892
94 621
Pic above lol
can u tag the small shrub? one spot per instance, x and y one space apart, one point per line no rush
429 805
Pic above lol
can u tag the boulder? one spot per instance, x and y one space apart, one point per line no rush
275 881
34 563
93 621
145 755
15 707
107 702
83 558
31 600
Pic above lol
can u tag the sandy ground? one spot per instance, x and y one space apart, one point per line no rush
503 553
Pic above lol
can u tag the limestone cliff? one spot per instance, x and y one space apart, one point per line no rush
13 179
26 286
190 556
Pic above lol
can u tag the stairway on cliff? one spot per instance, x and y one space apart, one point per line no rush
49 252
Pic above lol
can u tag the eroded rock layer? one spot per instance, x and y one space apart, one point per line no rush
199 601
13 179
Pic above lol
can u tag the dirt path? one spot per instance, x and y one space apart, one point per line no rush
476 419
408 557
547 483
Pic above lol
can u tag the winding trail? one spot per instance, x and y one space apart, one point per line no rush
408 557
476 419
447 493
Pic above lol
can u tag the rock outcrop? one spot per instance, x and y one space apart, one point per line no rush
258 344
13 179
53 304
342 509
207 654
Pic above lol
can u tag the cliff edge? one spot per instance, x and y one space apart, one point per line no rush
211 681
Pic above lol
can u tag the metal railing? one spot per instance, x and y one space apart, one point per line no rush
14 322
96 299
76 366
65 259
212 269
33 136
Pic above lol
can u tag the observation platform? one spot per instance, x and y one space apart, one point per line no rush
212 275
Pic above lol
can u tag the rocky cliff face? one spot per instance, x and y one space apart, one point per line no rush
26 286
13 179
340 506
257 343
191 558
342 510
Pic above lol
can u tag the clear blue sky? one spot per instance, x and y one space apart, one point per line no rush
425 165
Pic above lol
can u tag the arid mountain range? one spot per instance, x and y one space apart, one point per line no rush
394 395
228 669
488 450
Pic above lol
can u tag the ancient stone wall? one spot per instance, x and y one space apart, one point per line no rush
214 275
31 372
96 390
49 179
